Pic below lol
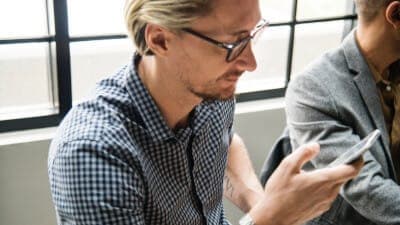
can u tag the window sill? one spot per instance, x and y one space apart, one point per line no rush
34 135
26 136
259 105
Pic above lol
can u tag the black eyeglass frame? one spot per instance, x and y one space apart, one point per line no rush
230 47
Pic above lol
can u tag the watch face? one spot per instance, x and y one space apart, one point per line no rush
246 220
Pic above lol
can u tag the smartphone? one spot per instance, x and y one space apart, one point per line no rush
357 150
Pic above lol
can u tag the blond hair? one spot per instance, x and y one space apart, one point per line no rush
171 14
368 9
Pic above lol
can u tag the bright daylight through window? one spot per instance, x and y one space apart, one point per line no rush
43 72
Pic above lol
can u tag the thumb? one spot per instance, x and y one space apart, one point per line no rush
301 156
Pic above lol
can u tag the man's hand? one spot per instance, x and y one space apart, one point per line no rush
293 196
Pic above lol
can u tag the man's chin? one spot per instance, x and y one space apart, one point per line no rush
228 96
222 96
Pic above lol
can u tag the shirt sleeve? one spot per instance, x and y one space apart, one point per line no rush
95 184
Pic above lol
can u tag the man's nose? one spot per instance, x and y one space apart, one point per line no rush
247 61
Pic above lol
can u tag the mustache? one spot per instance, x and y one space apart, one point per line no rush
235 73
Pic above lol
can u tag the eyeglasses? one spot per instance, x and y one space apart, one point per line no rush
236 48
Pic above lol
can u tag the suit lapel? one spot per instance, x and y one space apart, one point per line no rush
366 85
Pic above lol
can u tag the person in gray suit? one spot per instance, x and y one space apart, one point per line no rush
343 96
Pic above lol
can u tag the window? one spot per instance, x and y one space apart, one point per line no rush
300 31
98 45
22 92
92 60
28 75
53 52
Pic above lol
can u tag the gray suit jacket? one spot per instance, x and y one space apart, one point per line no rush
335 102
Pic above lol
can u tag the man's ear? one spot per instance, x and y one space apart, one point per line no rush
393 14
157 39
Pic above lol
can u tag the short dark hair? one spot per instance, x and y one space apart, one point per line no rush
368 9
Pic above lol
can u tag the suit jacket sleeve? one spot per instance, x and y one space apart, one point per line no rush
313 116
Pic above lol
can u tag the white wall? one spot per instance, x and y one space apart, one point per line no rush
24 189
259 128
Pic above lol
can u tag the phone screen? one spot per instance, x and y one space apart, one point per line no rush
357 150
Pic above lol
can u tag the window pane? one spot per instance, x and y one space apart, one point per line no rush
92 60
22 18
94 17
311 9
271 54
276 10
314 39
24 81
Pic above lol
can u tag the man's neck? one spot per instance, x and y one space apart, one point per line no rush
173 101
377 47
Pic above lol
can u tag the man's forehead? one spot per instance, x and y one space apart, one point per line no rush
233 14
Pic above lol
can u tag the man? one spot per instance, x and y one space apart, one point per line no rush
151 145
345 95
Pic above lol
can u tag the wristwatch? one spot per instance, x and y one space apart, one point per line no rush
246 220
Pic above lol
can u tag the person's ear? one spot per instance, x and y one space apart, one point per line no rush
157 39
393 14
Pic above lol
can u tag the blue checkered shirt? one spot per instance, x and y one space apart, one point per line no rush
115 161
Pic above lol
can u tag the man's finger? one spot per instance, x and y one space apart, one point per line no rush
302 155
359 163
339 174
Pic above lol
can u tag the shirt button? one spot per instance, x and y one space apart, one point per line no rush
388 88
172 140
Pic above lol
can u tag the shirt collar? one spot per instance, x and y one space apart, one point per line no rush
395 72
391 75
152 118
379 78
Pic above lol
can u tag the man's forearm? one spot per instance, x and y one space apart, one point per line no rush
241 185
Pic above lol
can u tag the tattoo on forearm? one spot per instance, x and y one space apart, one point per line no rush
228 186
